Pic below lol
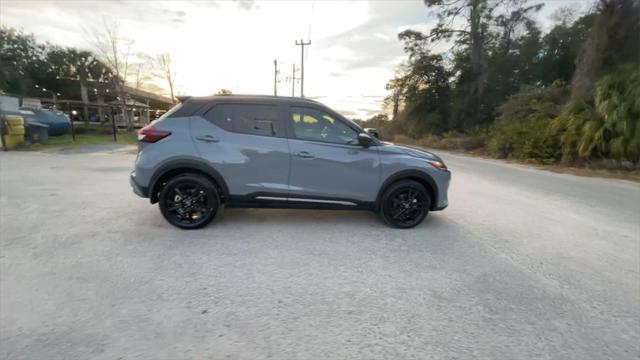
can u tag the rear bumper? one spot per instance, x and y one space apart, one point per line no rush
139 190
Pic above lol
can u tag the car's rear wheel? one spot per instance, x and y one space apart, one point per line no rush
405 204
189 201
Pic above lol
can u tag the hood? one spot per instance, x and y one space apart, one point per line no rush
411 150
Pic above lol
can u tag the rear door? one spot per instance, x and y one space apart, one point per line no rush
327 163
246 143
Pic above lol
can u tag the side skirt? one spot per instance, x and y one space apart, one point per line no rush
283 201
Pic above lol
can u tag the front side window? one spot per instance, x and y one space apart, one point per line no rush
246 119
316 125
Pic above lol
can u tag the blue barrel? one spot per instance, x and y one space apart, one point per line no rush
57 121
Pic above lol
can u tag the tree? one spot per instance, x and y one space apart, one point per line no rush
423 85
559 50
397 88
80 65
115 52
473 35
615 23
165 72
21 57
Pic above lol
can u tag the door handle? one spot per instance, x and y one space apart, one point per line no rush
207 138
304 154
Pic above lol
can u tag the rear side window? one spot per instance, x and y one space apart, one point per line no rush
221 116
246 119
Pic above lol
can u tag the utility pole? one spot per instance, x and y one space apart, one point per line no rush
275 77
302 44
293 79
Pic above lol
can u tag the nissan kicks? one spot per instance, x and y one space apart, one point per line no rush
279 152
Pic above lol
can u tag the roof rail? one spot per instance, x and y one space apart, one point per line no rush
183 98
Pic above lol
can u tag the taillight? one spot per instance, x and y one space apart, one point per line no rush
151 134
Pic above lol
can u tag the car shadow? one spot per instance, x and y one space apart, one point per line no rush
242 217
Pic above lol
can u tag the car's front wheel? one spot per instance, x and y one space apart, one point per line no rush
405 204
189 201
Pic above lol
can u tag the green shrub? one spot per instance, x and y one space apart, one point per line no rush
523 140
520 130
534 103
610 128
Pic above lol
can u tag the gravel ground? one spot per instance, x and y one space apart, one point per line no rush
524 264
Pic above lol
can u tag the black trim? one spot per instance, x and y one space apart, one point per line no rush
251 201
281 120
408 174
186 165
188 108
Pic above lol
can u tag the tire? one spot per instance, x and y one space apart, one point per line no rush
405 204
189 201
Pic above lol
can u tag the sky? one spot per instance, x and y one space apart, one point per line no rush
217 45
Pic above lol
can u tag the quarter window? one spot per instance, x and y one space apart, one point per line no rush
315 125
246 119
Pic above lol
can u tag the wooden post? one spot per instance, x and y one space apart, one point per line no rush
73 131
2 126
148 118
113 125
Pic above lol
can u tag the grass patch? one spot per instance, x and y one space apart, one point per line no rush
67 142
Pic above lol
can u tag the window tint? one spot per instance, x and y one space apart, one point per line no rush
246 118
221 115
311 124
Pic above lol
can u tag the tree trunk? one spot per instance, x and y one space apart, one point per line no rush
396 106
171 90
589 62
478 56
469 107
123 103
85 99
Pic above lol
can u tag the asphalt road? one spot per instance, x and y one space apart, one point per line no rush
524 264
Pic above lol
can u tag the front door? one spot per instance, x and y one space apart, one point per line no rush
327 163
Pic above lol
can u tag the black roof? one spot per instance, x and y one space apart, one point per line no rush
247 97
193 105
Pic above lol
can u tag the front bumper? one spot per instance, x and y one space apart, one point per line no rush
443 180
139 190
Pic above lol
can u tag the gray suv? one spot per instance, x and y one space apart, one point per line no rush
279 152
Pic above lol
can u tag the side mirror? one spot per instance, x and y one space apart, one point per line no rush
365 139
373 132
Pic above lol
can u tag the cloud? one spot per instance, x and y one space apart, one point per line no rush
354 43
336 74
375 44
247 4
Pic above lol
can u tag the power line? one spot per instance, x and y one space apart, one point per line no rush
313 6
302 44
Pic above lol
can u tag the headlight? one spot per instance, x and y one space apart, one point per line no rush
438 165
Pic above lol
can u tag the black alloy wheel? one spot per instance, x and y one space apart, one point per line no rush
189 201
405 204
